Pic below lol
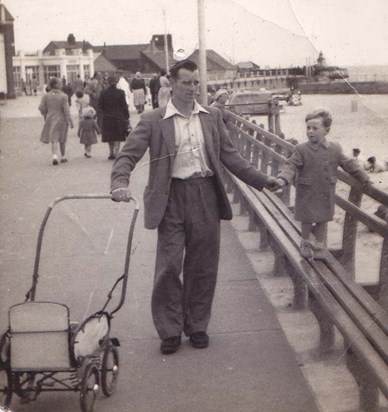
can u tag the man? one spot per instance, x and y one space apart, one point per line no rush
154 89
185 200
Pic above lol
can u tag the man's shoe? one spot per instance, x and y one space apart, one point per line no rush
55 162
63 160
199 340
170 345
111 157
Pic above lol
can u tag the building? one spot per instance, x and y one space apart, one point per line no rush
218 68
7 88
67 59
248 69
145 58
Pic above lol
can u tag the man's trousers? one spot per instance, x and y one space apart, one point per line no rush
187 258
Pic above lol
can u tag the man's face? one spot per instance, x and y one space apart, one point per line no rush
186 87
316 131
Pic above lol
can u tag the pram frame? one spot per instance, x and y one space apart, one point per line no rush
77 374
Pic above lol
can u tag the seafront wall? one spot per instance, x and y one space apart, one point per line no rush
366 87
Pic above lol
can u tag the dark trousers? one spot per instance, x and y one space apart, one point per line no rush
188 244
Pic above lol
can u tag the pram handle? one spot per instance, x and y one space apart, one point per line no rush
90 196
31 293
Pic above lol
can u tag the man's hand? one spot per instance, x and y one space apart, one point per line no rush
273 184
121 194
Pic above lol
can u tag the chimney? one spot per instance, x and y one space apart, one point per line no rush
71 39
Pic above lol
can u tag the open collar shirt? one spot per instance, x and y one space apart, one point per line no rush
191 159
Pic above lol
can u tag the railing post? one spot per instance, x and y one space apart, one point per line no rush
350 233
383 278
368 389
300 287
326 327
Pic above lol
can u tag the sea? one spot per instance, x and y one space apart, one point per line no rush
368 73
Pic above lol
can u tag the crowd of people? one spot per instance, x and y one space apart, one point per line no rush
103 104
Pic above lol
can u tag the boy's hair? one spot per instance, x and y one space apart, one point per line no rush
184 64
79 94
356 150
324 114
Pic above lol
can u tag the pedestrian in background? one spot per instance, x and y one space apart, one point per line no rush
138 88
93 88
123 85
82 102
221 96
115 116
34 85
164 93
78 84
54 107
88 131
154 89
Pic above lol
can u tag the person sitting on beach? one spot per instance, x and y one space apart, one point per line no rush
314 165
376 166
361 160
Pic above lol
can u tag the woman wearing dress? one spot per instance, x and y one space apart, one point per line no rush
54 107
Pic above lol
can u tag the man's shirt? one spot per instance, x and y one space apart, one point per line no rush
191 158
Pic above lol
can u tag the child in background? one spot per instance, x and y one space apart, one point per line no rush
88 130
314 165
82 102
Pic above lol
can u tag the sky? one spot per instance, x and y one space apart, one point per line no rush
275 33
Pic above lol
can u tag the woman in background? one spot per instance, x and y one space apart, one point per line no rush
54 107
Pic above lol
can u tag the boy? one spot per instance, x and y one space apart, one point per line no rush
315 163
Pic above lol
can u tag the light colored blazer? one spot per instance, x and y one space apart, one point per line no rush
158 135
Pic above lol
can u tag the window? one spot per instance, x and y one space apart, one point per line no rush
51 71
72 72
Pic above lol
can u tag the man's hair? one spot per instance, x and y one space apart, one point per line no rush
324 114
184 64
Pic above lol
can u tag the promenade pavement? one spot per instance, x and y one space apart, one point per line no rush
249 365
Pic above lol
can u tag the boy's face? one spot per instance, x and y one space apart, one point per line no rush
316 131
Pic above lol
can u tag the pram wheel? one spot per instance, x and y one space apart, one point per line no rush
109 370
89 387
5 386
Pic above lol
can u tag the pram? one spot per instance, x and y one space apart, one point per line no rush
42 351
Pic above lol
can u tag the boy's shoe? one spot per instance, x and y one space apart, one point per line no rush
63 160
55 161
111 157
170 345
88 155
319 251
199 340
305 249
